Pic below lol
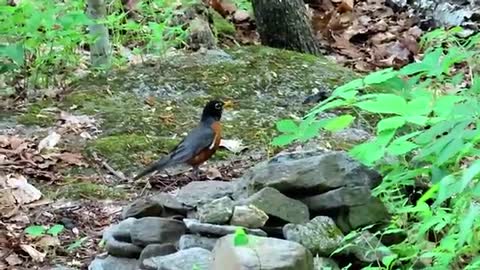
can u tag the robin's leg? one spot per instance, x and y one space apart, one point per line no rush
196 173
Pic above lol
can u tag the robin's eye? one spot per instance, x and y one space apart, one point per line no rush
218 106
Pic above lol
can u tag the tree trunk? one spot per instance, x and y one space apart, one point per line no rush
284 24
100 51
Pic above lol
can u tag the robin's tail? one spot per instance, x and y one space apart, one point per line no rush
158 165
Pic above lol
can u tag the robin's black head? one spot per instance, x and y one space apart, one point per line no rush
213 110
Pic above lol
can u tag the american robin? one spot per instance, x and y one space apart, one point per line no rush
198 146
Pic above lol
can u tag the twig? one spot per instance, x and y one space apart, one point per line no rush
118 174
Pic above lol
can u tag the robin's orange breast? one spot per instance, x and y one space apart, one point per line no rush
208 152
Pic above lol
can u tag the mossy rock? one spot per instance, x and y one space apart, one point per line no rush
221 25
145 109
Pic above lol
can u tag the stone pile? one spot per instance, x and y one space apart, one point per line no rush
295 208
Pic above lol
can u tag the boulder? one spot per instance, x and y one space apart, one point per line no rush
191 240
320 235
187 259
196 226
372 212
312 171
321 263
156 230
118 242
200 192
261 253
155 250
248 216
274 203
217 211
367 248
159 205
343 196
113 263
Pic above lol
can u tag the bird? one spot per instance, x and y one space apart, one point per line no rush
198 146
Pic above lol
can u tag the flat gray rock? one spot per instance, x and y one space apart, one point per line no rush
113 263
370 213
200 192
155 250
343 196
188 259
143 207
321 235
191 240
196 226
171 203
312 171
274 203
218 211
118 242
248 216
156 230
261 253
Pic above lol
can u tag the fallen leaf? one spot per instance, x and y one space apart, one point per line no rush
213 173
22 191
36 255
49 142
48 241
13 259
234 146
71 158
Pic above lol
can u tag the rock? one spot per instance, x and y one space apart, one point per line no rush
159 205
240 16
200 35
191 240
367 248
118 242
312 171
352 135
200 192
195 226
372 212
156 230
143 207
113 263
170 203
320 263
274 203
217 211
261 253
320 235
155 250
182 260
344 196
248 216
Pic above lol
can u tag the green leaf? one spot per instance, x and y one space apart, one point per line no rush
469 174
389 259
240 237
287 126
394 122
418 120
384 103
380 76
448 186
325 106
352 85
15 52
418 106
284 139
444 104
466 224
55 230
78 243
400 147
429 194
450 150
35 230
339 123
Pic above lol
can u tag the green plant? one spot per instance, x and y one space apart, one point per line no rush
426 122
37 230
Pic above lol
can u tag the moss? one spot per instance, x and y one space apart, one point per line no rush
37 115
222 25
80 190
131 150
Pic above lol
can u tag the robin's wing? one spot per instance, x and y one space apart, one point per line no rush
197 140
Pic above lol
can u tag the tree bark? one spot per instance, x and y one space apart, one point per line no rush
100 50
285 24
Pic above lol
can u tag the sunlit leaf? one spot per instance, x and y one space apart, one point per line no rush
287 126
390 123
56 229
35 230
339 122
